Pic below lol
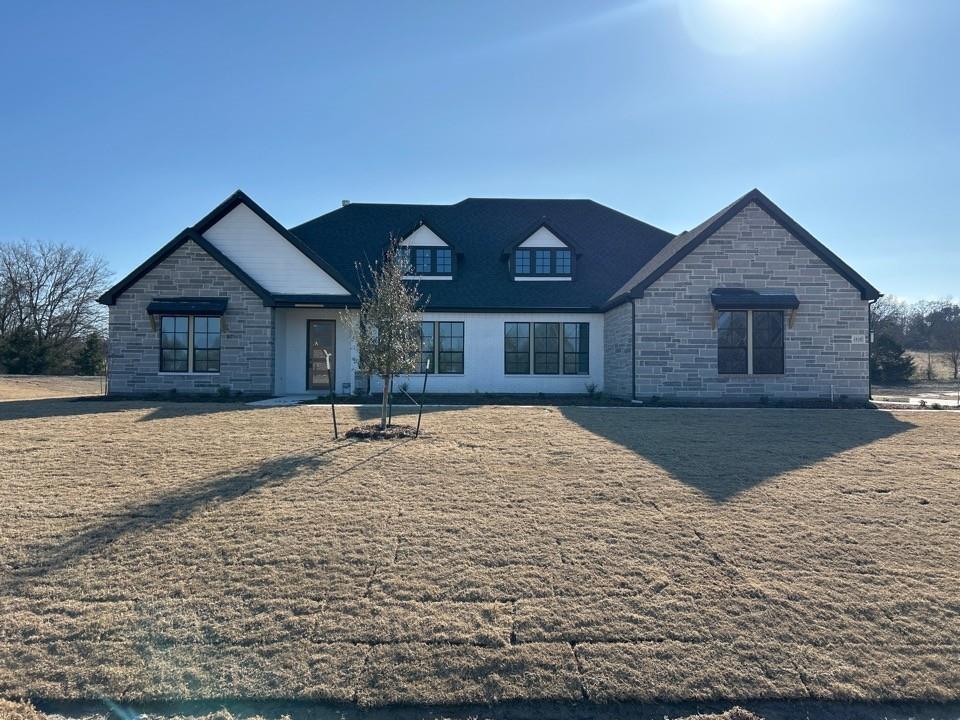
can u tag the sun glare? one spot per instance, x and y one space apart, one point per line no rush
734 27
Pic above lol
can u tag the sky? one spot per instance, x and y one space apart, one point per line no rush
122 123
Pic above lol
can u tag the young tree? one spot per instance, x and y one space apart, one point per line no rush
387 327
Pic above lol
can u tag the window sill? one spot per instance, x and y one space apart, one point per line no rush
197 374
751 375
547 375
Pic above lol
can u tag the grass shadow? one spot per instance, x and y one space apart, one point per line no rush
179 505
724 452
69 407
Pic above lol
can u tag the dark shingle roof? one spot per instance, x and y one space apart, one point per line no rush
611 247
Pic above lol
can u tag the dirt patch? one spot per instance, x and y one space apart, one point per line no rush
33 387
373 431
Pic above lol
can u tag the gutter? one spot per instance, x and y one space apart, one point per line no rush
633 347
870 345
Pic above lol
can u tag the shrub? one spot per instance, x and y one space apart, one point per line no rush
889 362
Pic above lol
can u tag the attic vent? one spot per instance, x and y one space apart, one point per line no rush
344 203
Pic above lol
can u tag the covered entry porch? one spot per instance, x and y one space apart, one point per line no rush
303 337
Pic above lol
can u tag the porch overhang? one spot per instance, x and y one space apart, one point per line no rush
744 299
315 301
209 306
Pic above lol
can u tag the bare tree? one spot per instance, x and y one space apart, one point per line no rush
48 294
945 333
387 327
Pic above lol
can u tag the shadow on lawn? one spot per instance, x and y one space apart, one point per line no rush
68 407
723 452
181 504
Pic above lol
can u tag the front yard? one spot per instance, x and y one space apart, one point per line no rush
218 551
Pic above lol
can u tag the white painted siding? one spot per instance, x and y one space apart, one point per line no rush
423 237
291 353
268 257
483 357
543 238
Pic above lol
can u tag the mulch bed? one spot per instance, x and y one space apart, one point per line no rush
373 431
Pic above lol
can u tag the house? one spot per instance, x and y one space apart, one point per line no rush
523 296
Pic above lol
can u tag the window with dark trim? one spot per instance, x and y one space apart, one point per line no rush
576 348
427 348
546 348
431 261
516 348
767 342
174 343
450 348
521 262
444 259
206 344
547 262
542 265
750 342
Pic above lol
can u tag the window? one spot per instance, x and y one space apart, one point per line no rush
546 348
576 348
732 342
184 351
444 261
542 258
422 260
553 262
450 348
516 348
767 342
174 343
427 347
521 262
750 342
206 344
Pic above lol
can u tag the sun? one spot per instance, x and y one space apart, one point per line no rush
734 27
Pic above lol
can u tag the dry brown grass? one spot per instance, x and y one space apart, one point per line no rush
35 387
212 551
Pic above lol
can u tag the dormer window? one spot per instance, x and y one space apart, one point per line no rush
541 255
543 262
431 257
431 261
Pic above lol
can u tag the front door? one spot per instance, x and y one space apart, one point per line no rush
321 339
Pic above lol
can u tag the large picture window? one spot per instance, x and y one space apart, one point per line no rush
450 348
750 342
189 344
576 348
516 348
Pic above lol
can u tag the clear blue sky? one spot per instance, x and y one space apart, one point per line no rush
121 123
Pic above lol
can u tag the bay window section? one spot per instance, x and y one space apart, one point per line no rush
521 262
546 348
444 259
516 348
422 261
542 262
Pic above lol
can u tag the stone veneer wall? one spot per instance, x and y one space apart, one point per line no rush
247 337
617 349
826 349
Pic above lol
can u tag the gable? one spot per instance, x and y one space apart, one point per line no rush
752 250
686 242
268 257
423 236
543 238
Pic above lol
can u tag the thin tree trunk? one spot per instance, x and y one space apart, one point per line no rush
386 399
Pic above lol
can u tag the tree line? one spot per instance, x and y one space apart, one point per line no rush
50 322
926 326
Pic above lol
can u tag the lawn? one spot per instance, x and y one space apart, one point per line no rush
33 387
152 551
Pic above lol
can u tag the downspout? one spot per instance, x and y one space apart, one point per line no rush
633 347
870 346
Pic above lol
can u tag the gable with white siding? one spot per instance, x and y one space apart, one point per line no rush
268 257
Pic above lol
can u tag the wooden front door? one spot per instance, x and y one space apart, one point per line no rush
321 339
